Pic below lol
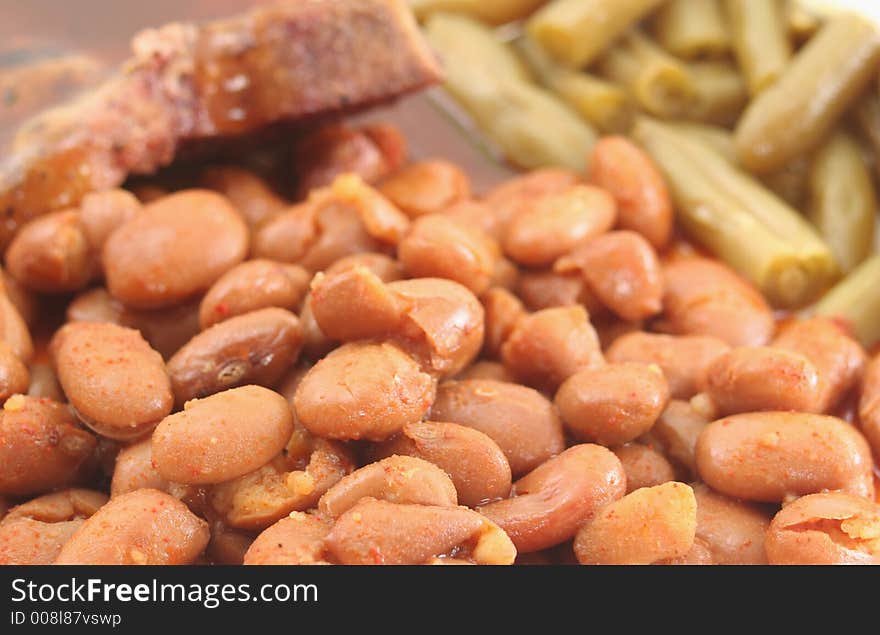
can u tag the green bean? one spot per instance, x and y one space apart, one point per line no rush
825 78
791 183
692 28
658 82
855 301
867 119
843 201
738 219
760 40
532 127
802 23
490 11
721 92
715 137
604 104
576 32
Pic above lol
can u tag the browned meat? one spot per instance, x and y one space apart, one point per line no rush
290 60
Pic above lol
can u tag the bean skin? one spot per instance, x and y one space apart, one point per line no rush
296 539
770 456
222 437
141 527
134 470
732 530
832 528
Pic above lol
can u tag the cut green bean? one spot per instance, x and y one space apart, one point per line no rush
792 182
692 28
802 23
576 32
855 301
721 92
823 80
604 104
658 82
739 220
843 202
867 119
760 40
715 137
489 11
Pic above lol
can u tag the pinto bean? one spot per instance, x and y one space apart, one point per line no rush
732 530
379 532
474 462
551 502
41 446
363 391
750 379
14 330
252 285
555 224
519 419
249 193
622 271
102 213
386 268
838 358
684 359
396 479
502 310
173 250
832 528
222 437
677 430
643 202
441 247
869 405
427 187
704 297
35 532
134 470
646 526
486 370
115 382
518 194
644 467
770 456
547 347
254 348
14 375
613 404
296 539
142 527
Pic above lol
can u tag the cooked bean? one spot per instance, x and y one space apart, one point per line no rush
838 358
173 250
732 530
427 187
442 247
35 532
550 503
869 406
25 301
638 188
14 375
520 193
14 330
486 370
473 461
520 420
677 431
115 382
545 289
760 41
770 456
250 194
648 525
142 527
692 28
502 310
254 348
222 437
749 379
44 384
41 446
546 348
643 466
252 285
134 470
345 218
297 539
622 272
102 213
684 359
388 269
227 546
556 223
613 404
834 528
703 297
397 479
51 254
363 391
379 532
293 481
